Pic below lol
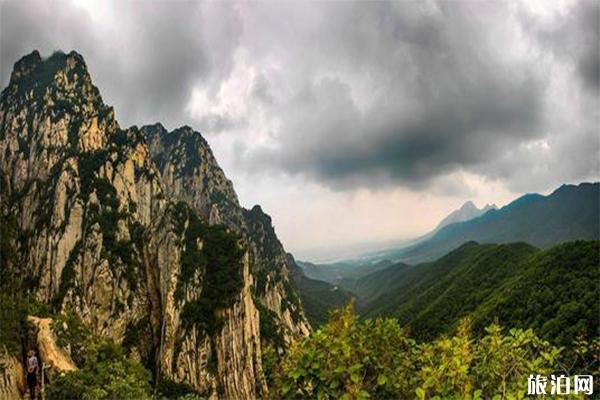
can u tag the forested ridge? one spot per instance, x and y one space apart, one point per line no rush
554 291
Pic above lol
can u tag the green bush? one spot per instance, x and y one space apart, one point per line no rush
349 359
73 335
106 374
352 359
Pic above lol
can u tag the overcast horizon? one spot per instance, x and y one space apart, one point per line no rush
353 124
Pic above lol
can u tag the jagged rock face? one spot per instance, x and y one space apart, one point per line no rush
122 228
191 174
273 272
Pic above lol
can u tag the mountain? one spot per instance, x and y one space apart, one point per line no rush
466 212
553 291
319 298
370 286
138 233
334 273
569 213
191 174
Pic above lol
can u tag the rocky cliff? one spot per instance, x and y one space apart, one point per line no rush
191 174
139 233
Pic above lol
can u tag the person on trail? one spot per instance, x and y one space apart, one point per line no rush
32 371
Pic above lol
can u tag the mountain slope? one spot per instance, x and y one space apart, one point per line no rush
334 273
140 236
320 298
554 291
369 287
569 213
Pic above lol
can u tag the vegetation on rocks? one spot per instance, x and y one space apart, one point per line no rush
72 335
217 254
62 150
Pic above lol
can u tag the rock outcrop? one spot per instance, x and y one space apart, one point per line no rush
12 376
133 229
53 355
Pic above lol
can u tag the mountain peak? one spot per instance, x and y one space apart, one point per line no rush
469 205
60 88
163 220
59 83
467 211
32 68
25 65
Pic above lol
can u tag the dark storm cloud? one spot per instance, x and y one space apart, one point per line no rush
26 26
446 97
384 145
588 62
589 59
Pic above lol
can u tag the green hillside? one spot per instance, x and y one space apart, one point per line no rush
554 291
371 286
319 298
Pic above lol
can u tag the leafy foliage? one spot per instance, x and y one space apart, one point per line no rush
352 359
271 331
11 320
169 389
8 235
106 374
555 293
72 335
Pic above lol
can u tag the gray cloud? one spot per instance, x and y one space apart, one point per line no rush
260 89
589 61
348 94
575 37
440 96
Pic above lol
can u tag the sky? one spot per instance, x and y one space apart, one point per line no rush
353 124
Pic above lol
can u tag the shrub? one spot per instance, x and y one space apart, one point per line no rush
352 359
106 374
349 359
73 335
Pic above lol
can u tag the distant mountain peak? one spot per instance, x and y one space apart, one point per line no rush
466 212
468 205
